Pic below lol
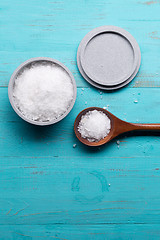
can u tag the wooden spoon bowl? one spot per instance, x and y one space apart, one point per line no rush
118 127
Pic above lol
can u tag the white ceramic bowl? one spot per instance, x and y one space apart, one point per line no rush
11 86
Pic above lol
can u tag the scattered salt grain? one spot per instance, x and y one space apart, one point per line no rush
106 107
94 125
135 101
118 142
43 91
74 145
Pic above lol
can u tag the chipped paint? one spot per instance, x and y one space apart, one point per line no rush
9 211
38 173
151 2
154 35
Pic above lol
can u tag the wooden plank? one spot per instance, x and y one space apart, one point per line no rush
21 139
60 190
40 31
67 232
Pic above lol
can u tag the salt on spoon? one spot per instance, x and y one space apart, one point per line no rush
94 126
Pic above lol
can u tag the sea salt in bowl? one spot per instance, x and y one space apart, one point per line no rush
42 91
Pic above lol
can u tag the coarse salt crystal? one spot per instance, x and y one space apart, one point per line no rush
43 91
94 126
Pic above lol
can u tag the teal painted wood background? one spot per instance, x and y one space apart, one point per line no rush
50 190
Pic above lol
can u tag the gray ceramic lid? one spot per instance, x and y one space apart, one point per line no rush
107 87
108 57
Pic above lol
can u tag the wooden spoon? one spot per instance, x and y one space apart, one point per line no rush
117 127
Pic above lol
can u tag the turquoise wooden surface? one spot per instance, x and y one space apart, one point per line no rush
50 190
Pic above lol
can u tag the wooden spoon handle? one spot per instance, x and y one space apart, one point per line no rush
150 127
